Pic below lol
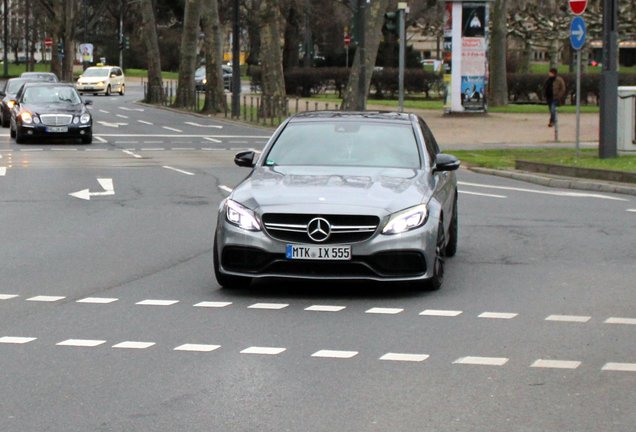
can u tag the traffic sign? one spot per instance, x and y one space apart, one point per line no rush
577 6
347 40
578 31
48 42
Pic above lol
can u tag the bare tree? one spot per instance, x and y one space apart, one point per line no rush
498 54
273 80
213 45
154 93
187 64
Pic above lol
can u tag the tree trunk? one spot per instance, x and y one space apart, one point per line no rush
273 80
498 76
70 11
374 18
292 36
214 94
187 63
154 92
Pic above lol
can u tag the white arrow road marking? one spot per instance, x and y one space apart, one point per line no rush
203 126
113 125
543 192
105 183
3 171
132 109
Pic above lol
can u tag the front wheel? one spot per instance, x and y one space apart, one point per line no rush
5 120
87 139
122 90
451 246
435 282
108 91
19 136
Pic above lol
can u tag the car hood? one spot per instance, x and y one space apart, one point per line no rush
342 190
55 108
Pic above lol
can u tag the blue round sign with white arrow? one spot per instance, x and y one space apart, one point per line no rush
578 31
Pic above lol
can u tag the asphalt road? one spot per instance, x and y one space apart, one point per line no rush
111 319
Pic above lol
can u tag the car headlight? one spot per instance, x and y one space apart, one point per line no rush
406 220
85 118
204 81
76 120
100 84
26 117
241 216
10 104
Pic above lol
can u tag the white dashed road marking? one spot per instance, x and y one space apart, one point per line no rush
616 320
225 188
135 155
556 364
3 171
335 354
482 361
197 347
569 318
213 140
16 340
482 194
620 367
498 315
210 304
100 139
172 129
441 313
81 343
204 126
387 311
122 116
145 122
97 300
544 192
8 296
631 210
404 357
134 345
43 298
325 308
178 170
263 350
157 302
273 306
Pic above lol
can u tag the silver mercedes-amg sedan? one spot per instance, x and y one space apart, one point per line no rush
341 196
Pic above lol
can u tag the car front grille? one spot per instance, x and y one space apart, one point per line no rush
56 119
343 228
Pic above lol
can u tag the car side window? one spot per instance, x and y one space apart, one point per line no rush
431 145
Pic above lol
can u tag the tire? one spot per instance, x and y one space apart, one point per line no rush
122 90
87 139
107 93
225 280
436 281
19 137
5 120
11 131
451 246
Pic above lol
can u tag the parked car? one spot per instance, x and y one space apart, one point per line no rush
102 79
341 195
40 76
8 93
200 79
50 110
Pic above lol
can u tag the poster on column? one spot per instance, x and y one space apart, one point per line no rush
474 69
447 55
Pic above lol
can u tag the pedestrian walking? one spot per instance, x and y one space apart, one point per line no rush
554 91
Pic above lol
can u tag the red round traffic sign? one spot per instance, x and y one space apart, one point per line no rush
347 40
577 6
48 42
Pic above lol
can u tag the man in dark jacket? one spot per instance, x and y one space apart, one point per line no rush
554 91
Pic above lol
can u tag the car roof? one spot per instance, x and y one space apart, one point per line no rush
101 67
47 84
353 115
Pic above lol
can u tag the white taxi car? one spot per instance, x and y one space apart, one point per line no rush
102 79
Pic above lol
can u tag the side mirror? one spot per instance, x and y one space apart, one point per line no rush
88 102
245 159
446 162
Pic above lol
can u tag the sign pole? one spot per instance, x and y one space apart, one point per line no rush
402 9
578 101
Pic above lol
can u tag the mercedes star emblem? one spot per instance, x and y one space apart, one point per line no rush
318 229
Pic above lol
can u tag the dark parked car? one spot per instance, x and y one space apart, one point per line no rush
8 94
200 79
341 195
40 76
50 110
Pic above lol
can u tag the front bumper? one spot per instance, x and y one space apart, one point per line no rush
90 88
403 257
43 131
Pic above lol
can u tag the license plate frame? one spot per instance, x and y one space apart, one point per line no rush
57 129
318 252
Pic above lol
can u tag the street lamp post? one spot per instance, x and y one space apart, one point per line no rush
236 62
609 83
5 58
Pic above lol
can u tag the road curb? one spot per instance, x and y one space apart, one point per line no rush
560 182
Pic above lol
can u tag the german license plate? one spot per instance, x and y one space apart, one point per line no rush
57 129
323 253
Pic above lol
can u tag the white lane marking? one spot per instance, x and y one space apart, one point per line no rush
335 354
153 142
43 298
542 192
482 361
172 129
197 347
96 150
482 194
569 318
273 306
178 170
619 367
145 122
387 311
111 124
225 188
404 357
8 296
104 111
81 342
183 148
31 150
135 155
16 339
134 345
121 116
213 140
263 350
3 171
631 210
617 320
498 315
440 313
97 300
556 364
151 302
153 148
182 136
203 126
325 308
210 304
100 139
131 109
126 142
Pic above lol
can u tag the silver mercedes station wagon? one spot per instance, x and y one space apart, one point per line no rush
341 196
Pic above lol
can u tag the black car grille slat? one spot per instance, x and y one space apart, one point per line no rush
345 229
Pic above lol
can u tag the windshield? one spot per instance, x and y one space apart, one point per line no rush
40 95
40 76
14 85
95 72
200 72
346 143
